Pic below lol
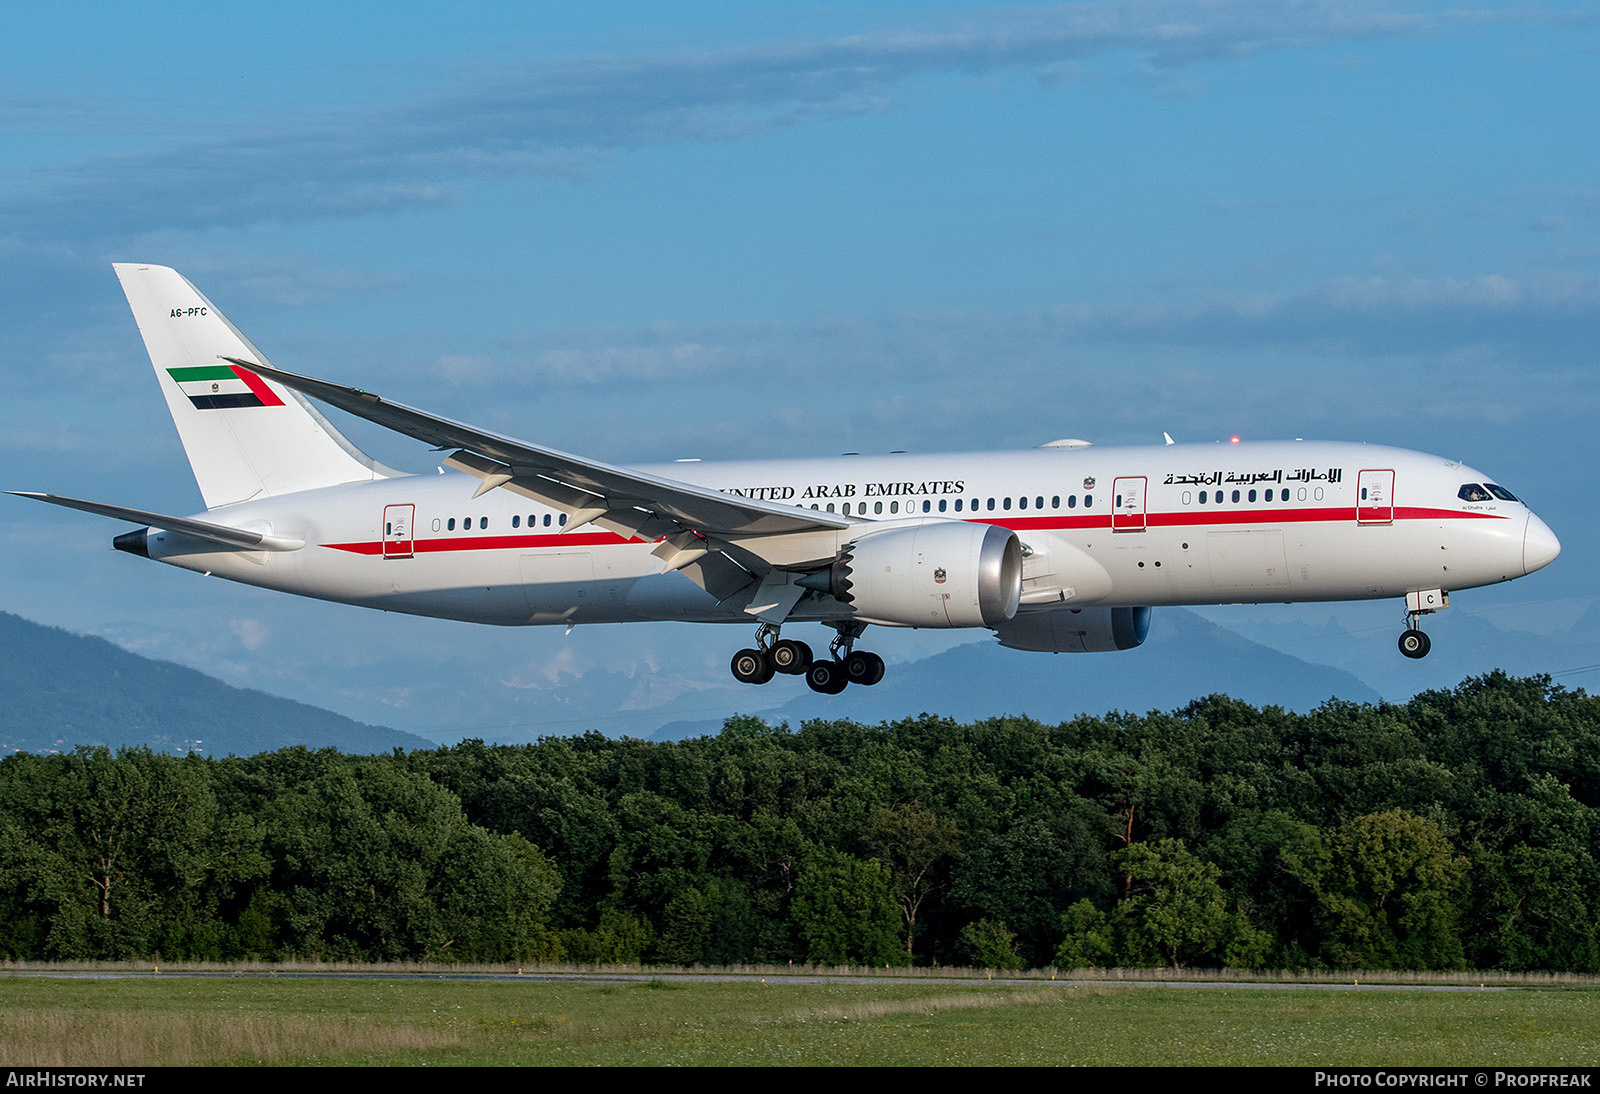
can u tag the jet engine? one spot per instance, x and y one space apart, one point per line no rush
1075 630
941 574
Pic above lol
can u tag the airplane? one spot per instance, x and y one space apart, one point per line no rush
1062 548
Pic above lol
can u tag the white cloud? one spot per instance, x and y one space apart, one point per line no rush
251 633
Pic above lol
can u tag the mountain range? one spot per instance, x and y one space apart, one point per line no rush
59 690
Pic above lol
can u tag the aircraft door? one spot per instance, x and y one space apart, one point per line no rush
1127 504
1375 497
397 521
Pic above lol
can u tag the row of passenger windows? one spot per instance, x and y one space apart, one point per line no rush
559 520
1219 496
970 505
946 505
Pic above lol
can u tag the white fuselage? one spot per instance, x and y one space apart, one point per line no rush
1177 524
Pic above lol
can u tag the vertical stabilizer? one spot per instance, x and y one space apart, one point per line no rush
245 436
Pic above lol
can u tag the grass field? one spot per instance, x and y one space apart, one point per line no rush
265 1020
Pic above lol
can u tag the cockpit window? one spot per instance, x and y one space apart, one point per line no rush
1500 492
1472 491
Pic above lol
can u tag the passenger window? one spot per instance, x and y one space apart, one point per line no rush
516 521
1055 502
1203 495
991 505
563 521
958 505
1022 503
1088 501
1005 503
1072 501
452 524
941 505
1252 495
1236 497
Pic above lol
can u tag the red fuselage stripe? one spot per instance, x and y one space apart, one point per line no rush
1197 518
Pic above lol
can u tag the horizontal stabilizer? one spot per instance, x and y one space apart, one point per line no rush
200 529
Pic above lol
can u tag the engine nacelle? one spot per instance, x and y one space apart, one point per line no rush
1075 630
940 574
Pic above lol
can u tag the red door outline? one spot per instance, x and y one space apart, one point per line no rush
397 522
1127 504
1375 497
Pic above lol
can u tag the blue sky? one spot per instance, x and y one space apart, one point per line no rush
646 231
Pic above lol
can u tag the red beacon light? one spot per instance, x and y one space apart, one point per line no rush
1234 439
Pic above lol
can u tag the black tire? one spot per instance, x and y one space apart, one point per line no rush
790 657
826 677
863 667
1414 644
751 667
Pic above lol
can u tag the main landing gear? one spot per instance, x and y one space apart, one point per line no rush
845 664
1413 643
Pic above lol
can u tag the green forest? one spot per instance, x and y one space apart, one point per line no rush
1456 830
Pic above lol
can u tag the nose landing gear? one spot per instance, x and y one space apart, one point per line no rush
1413 643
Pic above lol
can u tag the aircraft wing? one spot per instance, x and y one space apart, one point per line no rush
712 537
201 529
587 489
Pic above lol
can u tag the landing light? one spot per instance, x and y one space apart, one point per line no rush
1234 439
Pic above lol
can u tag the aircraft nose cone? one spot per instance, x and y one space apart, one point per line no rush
1539 545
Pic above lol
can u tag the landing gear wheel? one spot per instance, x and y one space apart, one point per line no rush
751 667
1414 644
862 667
790 657
826 677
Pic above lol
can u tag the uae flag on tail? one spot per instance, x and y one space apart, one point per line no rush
222 387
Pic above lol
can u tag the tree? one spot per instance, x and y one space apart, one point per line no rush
990 945
842 911
1089 941
1388 888
911 841
1175 905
